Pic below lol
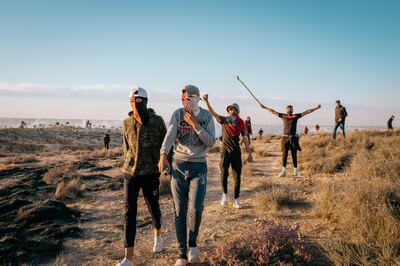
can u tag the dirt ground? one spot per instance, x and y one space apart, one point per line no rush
100 205
101 221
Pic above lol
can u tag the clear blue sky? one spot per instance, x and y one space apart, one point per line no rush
300 52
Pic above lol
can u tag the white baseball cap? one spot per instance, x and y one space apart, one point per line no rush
138 92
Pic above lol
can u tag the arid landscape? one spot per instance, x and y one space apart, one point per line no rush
61 203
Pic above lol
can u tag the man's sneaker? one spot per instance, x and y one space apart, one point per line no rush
296 172
224 200
181 262
236 203
158 244
282 174
125 262
193 255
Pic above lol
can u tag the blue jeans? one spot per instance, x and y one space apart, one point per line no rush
188 185
341 125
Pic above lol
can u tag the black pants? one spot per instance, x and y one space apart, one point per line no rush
233 159
286 145
107 145
150 188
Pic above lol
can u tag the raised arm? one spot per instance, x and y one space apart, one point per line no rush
309 111
272 111
209 107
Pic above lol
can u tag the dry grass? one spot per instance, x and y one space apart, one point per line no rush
100 153
69 189
365 205
54 174
21 159
273 200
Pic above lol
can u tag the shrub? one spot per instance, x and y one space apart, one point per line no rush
266 243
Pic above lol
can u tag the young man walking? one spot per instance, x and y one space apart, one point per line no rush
340 117
191 131
232 127
290 139
143 134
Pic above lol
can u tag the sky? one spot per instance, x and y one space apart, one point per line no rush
78 59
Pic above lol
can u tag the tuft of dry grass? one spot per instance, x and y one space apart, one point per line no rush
52 176
69 189
274 200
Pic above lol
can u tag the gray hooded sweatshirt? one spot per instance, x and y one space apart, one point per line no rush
190 145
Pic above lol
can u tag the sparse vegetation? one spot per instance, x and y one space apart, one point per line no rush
69 189
266 243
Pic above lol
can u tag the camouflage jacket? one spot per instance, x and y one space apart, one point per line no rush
142 145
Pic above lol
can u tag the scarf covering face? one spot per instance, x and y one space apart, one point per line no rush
235 125
190 102
140 112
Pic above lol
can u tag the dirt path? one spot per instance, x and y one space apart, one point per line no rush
102 225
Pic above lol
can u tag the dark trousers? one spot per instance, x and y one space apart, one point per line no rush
286 145
233 159
107 145
150 188
341 125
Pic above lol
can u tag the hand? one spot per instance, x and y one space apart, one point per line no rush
250 158
191 119
164 163
205 98
318 106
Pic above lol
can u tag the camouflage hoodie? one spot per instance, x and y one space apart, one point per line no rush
142 145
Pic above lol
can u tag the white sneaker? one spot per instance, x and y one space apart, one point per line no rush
236 203
125 262
158 244
224 200
296 172
282 174
193 254
181 262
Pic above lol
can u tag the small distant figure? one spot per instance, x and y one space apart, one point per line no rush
317 128
249 129
340 117
260 132
306 130
107 140
390 123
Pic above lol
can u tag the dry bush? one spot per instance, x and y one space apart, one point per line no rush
165 186
21 159
265 243
69 189
55 174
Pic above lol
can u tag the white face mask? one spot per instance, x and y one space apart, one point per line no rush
193 103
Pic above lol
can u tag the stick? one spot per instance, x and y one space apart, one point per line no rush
248 90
